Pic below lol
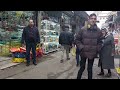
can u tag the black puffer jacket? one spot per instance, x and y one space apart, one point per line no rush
66 38
89 41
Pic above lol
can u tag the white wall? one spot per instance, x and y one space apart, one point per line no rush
101 15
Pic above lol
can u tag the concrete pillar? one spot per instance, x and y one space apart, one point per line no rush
39 20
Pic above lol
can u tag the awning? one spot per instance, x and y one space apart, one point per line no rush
54 13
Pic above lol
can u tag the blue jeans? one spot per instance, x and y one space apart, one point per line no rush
77 55
30 46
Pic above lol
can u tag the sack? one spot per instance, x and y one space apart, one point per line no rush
118 70
73 51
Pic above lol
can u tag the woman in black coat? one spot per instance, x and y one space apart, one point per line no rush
106 60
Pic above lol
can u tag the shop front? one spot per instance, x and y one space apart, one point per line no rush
50 30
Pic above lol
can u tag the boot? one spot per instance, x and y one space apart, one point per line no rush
61 61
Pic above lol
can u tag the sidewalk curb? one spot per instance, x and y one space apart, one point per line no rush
11 64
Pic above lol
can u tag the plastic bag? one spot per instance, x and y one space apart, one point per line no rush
73 51
39 52
118 70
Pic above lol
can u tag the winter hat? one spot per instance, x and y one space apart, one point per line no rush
104 29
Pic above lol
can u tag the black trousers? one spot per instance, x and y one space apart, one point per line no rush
30 46
82 67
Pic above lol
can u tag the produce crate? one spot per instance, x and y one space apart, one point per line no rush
18 60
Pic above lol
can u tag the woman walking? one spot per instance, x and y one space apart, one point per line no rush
106 60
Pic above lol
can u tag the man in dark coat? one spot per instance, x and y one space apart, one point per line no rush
65 39
71 40
88 40
107 53
31 38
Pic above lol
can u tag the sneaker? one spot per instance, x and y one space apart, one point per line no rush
68 58
101 74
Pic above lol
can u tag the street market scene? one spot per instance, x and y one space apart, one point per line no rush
59 44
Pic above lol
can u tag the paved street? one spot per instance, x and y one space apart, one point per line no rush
51 29
49 67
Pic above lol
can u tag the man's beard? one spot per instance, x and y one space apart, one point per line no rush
31 25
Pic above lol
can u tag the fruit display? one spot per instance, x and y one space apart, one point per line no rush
19 54
49 35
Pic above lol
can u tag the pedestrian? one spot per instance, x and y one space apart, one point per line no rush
65 41
30 38
88 40
77 54
106 60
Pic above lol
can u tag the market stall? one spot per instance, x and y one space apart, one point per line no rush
49 35
19 54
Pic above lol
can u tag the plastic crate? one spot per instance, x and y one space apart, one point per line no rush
18 60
